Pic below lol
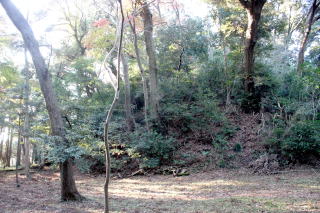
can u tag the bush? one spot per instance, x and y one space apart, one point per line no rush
186 108
301 143
153 148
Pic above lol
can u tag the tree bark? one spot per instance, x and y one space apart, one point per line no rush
18 160
108 119
142 72
127 105
35 154
254 9
26 125
153 70
1 148
68 187
9 147
310 21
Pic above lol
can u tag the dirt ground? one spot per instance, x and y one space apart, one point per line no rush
216 191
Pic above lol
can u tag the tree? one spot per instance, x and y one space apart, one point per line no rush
127 99
1 147
254 9
132 23
68 187
26 124
109 115
9 147
312 17
153 69
18 161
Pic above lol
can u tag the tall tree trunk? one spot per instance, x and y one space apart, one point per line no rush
310 21
225 63
127 101
153 70
7 157
142 72
9 147
18 160
254 9
26 126
68 187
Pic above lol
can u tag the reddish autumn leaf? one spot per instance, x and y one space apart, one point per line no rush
101 23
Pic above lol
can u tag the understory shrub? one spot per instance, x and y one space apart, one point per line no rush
300 143
186 108
152 148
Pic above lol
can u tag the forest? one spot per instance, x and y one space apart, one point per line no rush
159 106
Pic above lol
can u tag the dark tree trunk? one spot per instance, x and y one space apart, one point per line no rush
6 161
19 151
254 9
68 187
153 70
35 154
312 18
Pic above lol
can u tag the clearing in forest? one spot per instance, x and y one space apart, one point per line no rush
216 191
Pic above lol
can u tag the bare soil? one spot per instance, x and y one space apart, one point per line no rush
216 191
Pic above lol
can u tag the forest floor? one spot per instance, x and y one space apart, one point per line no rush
215 191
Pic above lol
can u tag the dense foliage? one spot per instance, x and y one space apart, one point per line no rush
201 88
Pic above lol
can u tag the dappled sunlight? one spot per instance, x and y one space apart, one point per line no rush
172 188
221 183
309 186
228 192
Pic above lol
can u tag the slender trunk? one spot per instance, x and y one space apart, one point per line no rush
18 161
9 148
35 154
108 119
142 72
68 187
127 100
153 70
10 145
311 20
225 65
18 157
26 126
17 178
27 156
1 150
1 146
289 32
